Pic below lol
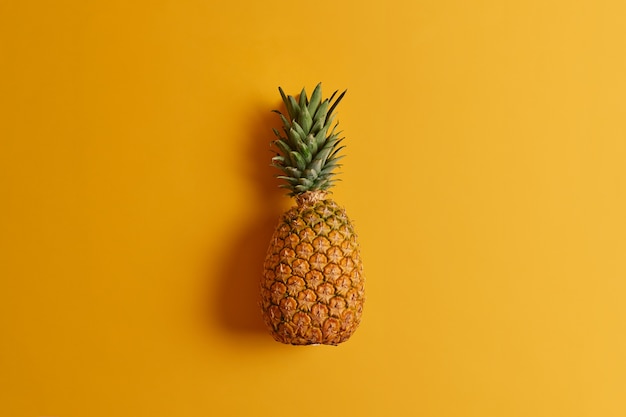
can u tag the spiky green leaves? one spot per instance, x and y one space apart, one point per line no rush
307 149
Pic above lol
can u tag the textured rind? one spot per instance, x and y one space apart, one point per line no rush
312 290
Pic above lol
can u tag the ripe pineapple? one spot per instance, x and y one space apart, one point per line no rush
312 291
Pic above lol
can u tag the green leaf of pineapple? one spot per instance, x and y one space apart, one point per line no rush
322 110
299 161
303 100
310 142
288 104
336 102
305 120
316 99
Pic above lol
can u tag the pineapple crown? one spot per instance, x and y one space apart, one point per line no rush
307 148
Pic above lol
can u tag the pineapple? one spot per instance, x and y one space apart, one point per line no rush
312 290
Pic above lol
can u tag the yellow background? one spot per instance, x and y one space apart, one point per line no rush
485 174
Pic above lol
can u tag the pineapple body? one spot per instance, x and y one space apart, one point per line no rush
312 290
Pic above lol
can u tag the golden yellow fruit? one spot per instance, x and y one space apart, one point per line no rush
312 291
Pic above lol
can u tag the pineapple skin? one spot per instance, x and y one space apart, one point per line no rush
312 289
